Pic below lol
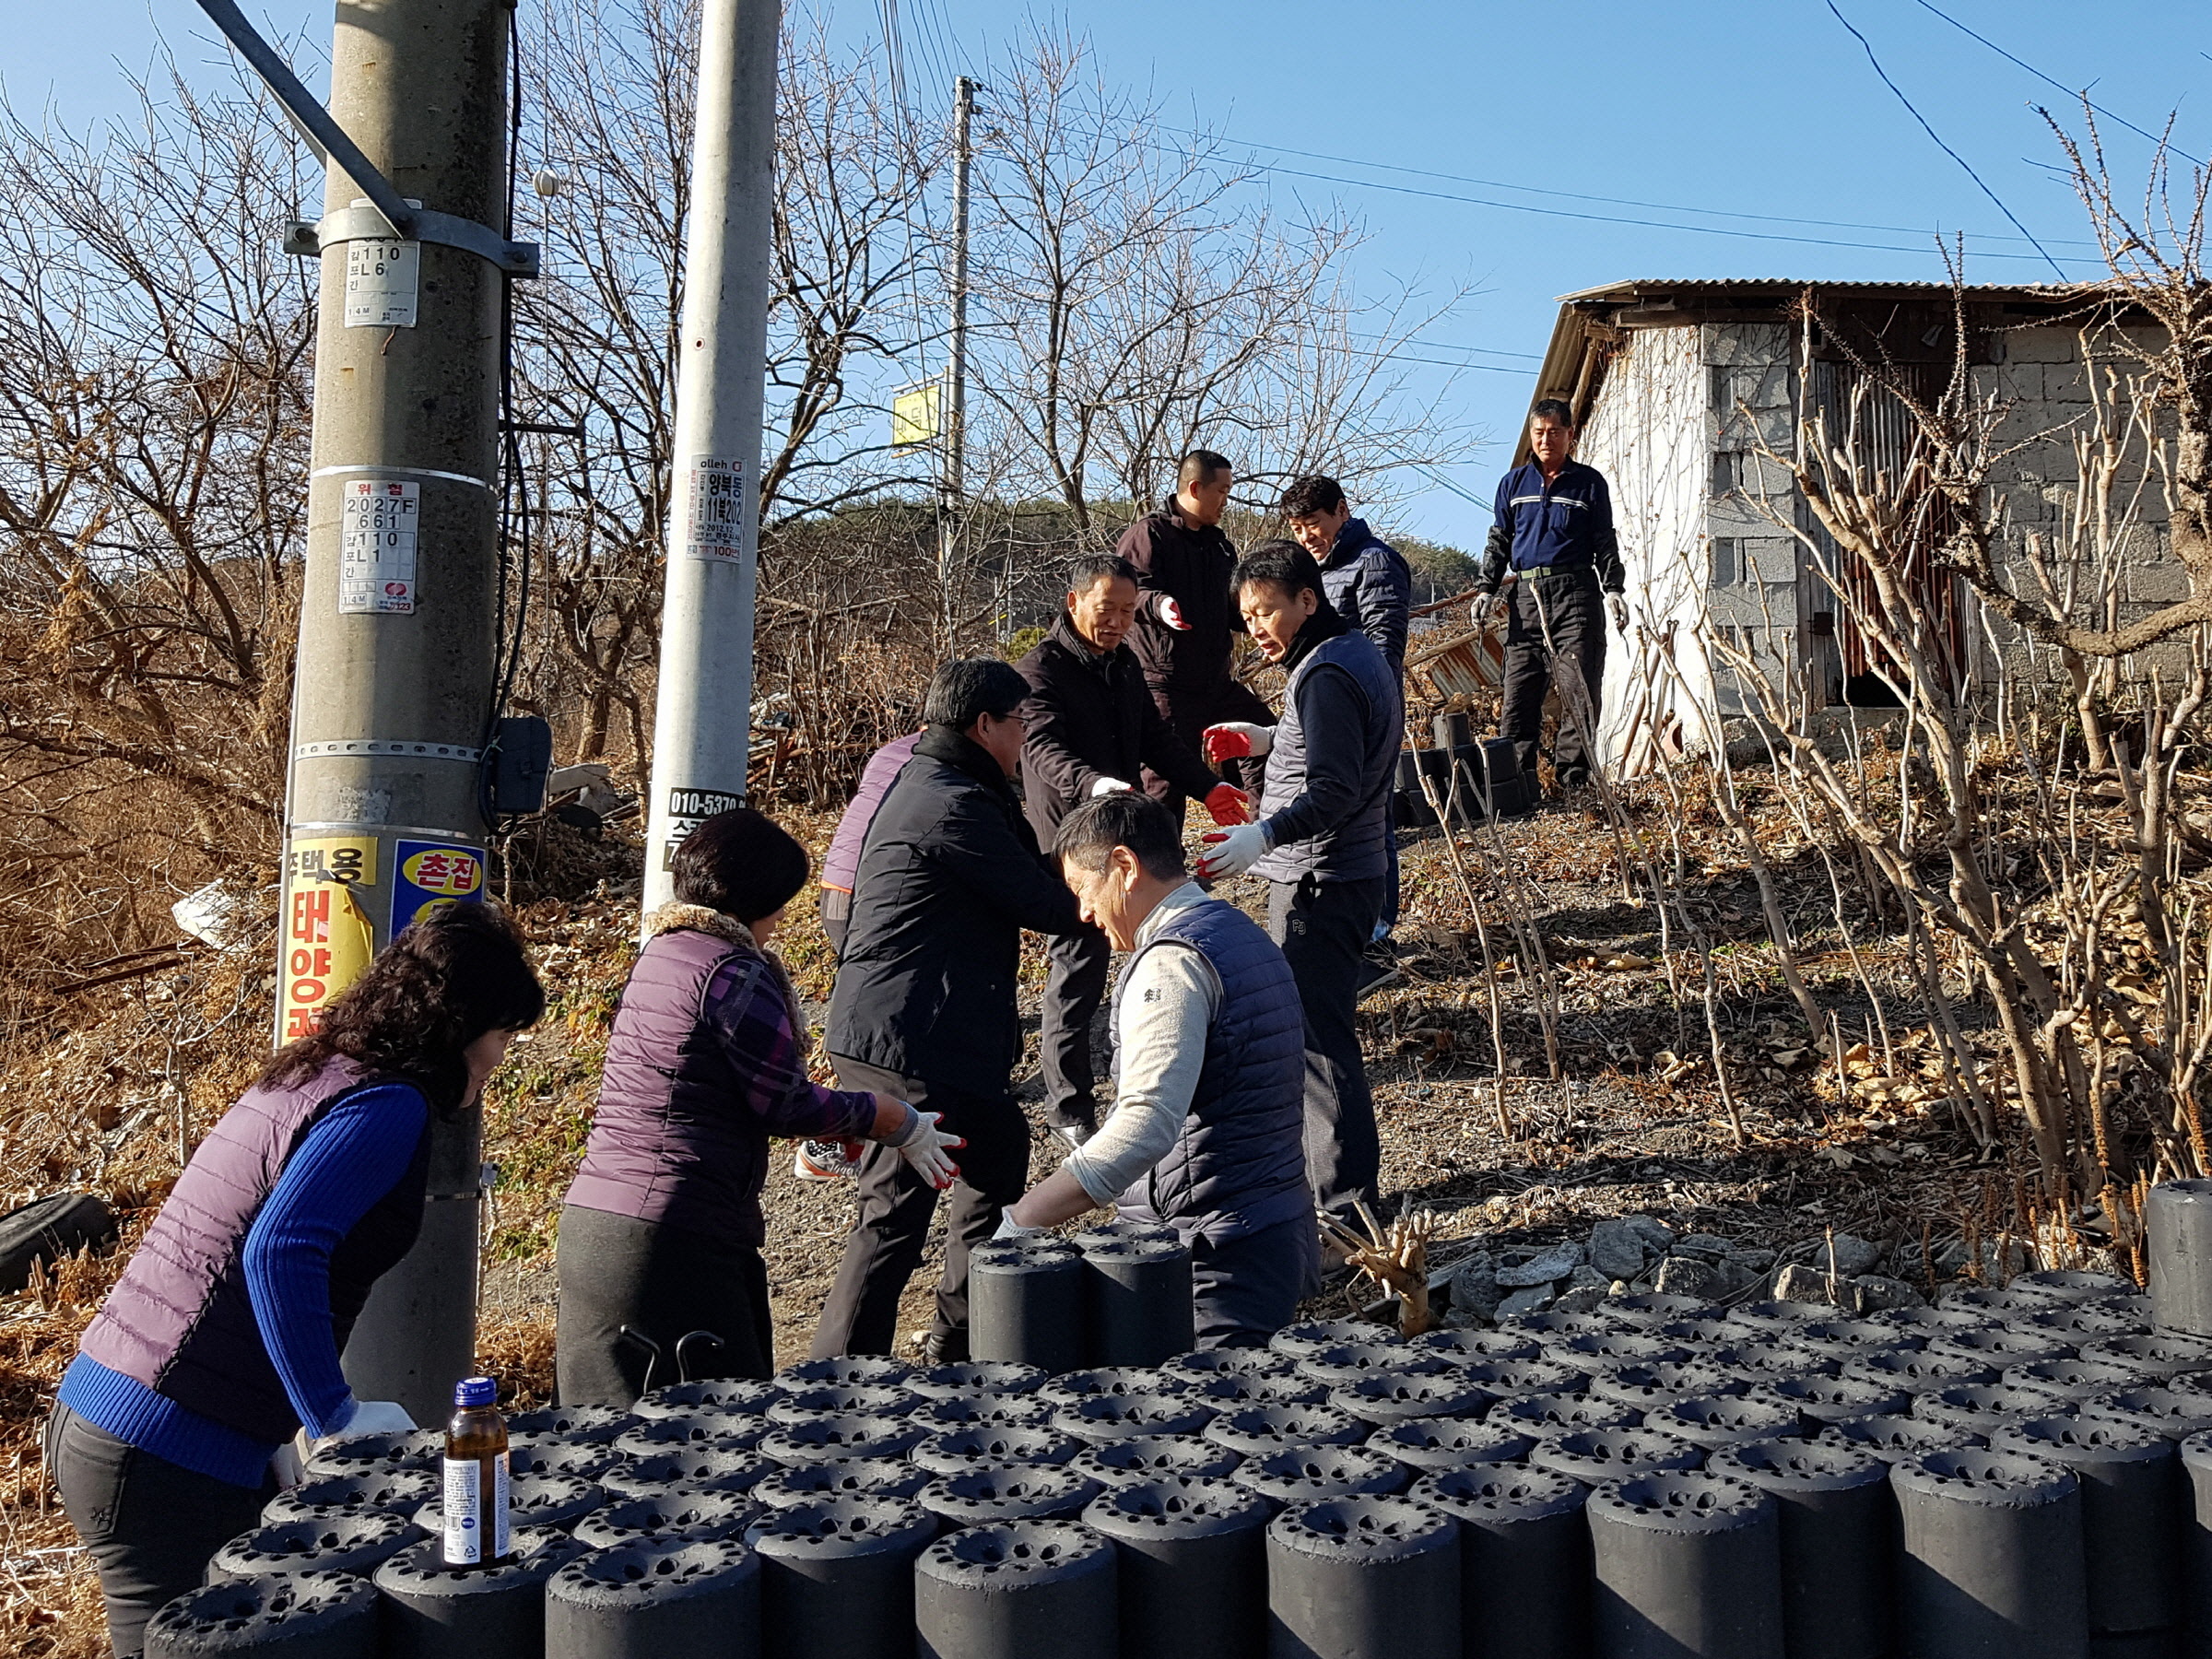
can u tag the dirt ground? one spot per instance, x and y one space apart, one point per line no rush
1633 1122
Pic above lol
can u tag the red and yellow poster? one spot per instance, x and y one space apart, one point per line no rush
328 937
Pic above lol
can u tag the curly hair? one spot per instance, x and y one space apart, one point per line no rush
458 973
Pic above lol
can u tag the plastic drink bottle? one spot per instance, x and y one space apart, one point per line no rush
474 1504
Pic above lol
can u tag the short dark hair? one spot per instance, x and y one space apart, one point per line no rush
1553 408
967 687
1086 568
1198 466
740 863
1285 564
1124 818
1312 494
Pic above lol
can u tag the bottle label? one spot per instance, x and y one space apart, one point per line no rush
471 1535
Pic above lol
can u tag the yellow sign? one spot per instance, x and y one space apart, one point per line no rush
328 937
914 417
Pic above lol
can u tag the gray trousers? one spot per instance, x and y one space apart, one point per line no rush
149 1527
1324 928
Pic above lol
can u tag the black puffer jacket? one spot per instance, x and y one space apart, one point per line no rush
1090 717
1190 564
949 876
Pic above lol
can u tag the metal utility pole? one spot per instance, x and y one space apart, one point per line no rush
956 412
394 681
702 713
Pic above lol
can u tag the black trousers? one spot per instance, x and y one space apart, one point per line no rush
1190 712
1324 928
149 1527
897 1205
1075 984
1574 612
1244 1291
665 1283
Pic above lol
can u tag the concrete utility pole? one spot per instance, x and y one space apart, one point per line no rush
956 411
393 684
702 713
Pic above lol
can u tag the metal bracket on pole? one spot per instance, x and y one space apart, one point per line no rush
309 237
394 217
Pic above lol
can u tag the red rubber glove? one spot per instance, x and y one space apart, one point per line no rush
1229 805
1171 613
1234 738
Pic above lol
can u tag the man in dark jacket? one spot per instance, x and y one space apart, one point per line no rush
1554 542
923 1005
1320 839
1207 1131
1186 620
1366 581
1092 728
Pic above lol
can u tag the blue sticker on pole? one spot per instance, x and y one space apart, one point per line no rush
429 874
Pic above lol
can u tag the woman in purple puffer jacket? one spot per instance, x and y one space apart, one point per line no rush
661 1235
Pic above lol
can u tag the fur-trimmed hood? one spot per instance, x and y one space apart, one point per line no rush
668 917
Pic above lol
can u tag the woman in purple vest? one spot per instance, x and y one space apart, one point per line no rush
221 1341
661 1235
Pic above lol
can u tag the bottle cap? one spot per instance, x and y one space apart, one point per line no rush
476 1390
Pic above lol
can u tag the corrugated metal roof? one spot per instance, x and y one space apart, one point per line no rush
1629 287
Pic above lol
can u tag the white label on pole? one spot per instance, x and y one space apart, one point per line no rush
377 520
380 282
688 808
715 525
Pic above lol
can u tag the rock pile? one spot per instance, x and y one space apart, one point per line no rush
1635 1255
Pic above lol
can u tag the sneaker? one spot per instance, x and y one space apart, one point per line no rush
1377 968
823 1161
1074 1135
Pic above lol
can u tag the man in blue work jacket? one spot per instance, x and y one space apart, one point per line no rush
1553 552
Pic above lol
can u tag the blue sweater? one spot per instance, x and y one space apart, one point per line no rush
342 1166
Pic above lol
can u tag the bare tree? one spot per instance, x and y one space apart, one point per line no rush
1138 296
153 372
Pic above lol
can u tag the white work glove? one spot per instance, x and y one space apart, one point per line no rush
1233 851
1480 612
923 1144
1171 613
1106 786
370 1417
1010 1229
1235 738
1619 607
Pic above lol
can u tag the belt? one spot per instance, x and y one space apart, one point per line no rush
1553 572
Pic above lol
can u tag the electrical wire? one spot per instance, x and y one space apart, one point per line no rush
2080 92
1946 149
1570 195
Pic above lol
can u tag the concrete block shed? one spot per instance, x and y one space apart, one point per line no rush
1678 383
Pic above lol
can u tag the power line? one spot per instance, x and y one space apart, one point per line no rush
1940 145
1610 219
2080 92
1570 195
1256 165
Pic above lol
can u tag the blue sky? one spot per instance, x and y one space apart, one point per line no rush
1685 115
